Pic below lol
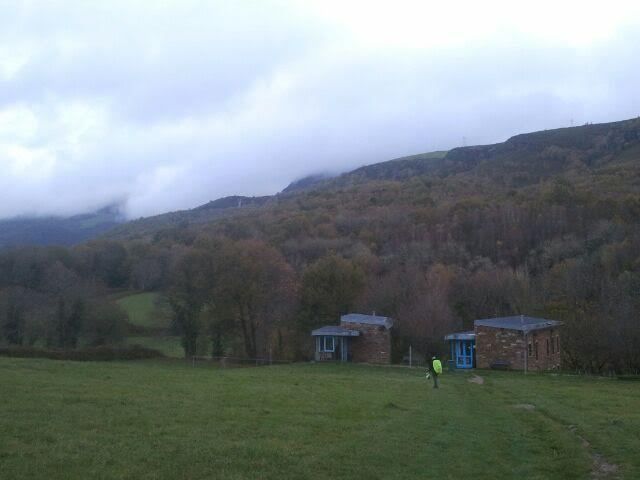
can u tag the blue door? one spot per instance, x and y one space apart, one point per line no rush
464 353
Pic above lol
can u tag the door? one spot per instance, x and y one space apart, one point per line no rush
459 354
464 354
469 353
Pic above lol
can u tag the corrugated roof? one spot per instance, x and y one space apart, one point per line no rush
367 319
520 322
336 331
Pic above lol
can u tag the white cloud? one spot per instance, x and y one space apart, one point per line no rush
162 106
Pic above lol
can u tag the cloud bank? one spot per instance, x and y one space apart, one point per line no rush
159 106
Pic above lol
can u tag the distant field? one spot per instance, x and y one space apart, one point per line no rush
61 420
143 311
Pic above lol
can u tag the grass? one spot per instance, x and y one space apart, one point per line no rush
149 420
143 310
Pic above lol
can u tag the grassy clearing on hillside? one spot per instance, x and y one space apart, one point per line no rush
61 420
143 310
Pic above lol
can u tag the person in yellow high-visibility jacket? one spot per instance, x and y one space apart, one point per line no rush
436 370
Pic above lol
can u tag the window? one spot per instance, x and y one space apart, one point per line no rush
529 348
327 344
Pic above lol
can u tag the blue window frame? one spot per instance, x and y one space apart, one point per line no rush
327 344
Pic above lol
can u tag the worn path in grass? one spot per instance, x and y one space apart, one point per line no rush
62 420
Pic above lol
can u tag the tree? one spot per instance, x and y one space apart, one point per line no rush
105 323
428 317
14 323
255 290
490 291
69 322
105 260
189 291
149 265
330 287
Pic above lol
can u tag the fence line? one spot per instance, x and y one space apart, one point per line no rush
226 360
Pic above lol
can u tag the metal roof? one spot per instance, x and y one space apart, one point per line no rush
367 319
519 322
336 331
470 335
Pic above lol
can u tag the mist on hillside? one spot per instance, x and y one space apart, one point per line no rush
158 107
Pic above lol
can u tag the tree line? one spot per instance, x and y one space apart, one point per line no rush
433 253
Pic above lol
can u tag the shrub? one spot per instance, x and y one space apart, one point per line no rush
101 353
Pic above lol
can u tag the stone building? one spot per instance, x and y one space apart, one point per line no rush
516 343
358 338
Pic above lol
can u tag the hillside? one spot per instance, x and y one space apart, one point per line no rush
304 183
209 212
594 156
57 230
398 169
545 224
600 153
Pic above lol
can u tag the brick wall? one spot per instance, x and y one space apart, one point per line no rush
372 346
499 345
503 345
545 359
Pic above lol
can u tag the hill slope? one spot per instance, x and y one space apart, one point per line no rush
546 224
235 206
589 153
209 212
594 156
57 230
396 169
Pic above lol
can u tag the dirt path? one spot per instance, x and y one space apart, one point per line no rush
600 467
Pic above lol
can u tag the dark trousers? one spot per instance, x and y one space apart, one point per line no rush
435 379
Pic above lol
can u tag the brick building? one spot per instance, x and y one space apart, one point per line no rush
358 338
517 343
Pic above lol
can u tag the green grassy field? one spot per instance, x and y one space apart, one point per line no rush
149 420
143 311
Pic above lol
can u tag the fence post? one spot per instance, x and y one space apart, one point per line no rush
410 357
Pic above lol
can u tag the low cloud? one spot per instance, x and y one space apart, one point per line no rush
159 107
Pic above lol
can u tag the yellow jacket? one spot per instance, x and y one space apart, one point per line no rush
437 367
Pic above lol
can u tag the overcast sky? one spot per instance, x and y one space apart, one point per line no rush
164 105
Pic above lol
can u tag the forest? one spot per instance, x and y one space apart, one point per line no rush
544 224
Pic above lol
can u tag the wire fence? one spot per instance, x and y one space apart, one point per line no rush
414 360
228 361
